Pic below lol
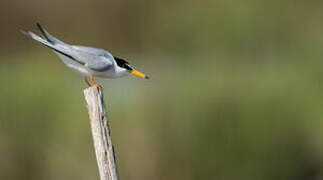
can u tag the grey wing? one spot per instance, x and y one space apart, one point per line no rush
63 49
93 58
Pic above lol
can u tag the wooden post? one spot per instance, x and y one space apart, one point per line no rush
103 146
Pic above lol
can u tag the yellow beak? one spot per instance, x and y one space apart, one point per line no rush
139 74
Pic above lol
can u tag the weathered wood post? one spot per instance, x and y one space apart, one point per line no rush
103 146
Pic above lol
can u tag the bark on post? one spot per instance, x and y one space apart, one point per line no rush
103 146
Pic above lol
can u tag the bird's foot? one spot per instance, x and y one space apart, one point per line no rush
86 81
98 86
95 84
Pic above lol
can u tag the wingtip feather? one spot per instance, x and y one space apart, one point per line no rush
43 32
41 29
39 26
25 33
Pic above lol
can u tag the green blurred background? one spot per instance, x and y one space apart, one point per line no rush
236 89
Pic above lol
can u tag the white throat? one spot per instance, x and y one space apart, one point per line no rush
119 72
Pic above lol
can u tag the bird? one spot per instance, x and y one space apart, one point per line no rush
90 62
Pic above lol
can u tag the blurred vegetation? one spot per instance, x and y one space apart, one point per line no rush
236 89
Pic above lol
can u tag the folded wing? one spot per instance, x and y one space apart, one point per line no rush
92 58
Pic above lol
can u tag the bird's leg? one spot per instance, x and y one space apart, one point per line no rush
86 81
95 84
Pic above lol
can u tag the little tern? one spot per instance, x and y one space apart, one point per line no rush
88 61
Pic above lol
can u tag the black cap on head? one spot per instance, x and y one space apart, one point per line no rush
122 63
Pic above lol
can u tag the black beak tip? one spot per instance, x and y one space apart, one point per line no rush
147 77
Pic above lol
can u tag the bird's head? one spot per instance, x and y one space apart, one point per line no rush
129 68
